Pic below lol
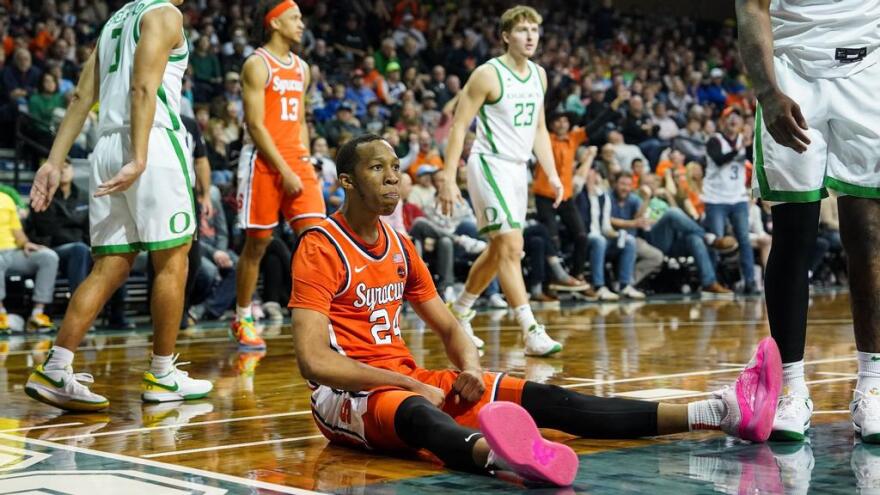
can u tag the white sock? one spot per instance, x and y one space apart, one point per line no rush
59 358
524 317
161 365
465 302
793 379
706 414
37 311
869 372
244 312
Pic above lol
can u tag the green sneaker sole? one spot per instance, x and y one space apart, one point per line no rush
875 438
786 436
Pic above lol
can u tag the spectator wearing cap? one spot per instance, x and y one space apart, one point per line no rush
359 93
391 89
713 92
343 126
423 192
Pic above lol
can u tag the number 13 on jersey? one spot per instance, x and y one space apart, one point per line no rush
289 109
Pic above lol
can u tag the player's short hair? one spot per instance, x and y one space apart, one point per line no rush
347 156
519 13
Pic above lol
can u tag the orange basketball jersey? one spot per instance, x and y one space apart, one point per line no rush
283 100
361 289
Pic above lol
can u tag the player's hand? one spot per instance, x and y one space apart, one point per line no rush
469 386
291 183
785 121
222 259
122 180
434 395
206 204
30 248
46 182
449 196
558 190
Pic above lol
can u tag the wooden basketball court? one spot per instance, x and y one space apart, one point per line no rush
255 434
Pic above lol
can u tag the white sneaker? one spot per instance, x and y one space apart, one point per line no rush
865 409
449 294
792 417
257 311
64 389
605 294
171 414
496 301
465 322
273 311
865 464
631 292
173 386
538 343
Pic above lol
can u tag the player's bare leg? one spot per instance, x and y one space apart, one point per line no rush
246 275
503 258
164 382
860 233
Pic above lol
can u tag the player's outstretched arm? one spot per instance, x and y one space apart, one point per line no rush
478 88
321 364
544 151
254 75
84 96
782 116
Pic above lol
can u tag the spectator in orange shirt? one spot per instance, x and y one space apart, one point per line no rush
428 155
674 160
564 141
372 77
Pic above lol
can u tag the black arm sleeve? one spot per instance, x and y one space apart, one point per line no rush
713 149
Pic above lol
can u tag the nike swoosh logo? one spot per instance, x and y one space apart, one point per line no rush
875 358
56 383
358 270
170 388
472 435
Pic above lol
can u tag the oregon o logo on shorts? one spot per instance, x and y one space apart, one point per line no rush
491 214
176 221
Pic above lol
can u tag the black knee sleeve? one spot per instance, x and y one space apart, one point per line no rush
421 425
589 416
786 286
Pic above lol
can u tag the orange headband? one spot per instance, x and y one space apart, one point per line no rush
278 10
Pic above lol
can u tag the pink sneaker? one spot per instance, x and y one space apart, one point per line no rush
751 402
514 437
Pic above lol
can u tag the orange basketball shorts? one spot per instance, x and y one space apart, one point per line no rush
261 196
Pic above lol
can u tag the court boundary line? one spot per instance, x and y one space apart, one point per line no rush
231 446
41 427
163 465
165 427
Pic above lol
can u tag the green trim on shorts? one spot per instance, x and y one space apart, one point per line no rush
171 243
488 172
491 228
488 130
178 149
764 185
116 249
500 84
852 189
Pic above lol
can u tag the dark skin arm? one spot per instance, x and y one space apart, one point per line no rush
782 116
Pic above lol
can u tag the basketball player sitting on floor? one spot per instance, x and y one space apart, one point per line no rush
352 273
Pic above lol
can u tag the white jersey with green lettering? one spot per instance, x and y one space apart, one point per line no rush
116 49
506 127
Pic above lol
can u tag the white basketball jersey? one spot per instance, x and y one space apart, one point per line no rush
116 48
826 39
506 126
726 184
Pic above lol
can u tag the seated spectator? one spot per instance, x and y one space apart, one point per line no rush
423 193
540 253
359 93
607 164
219 153
321 158
692 141
640 129
430 115
670 160
679 100
344 126
712 92
391 89
43 103
20 78
232 91
639 170
20 256
376 118
428 154
206 69
624 153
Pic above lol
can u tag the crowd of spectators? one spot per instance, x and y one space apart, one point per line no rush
646 108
